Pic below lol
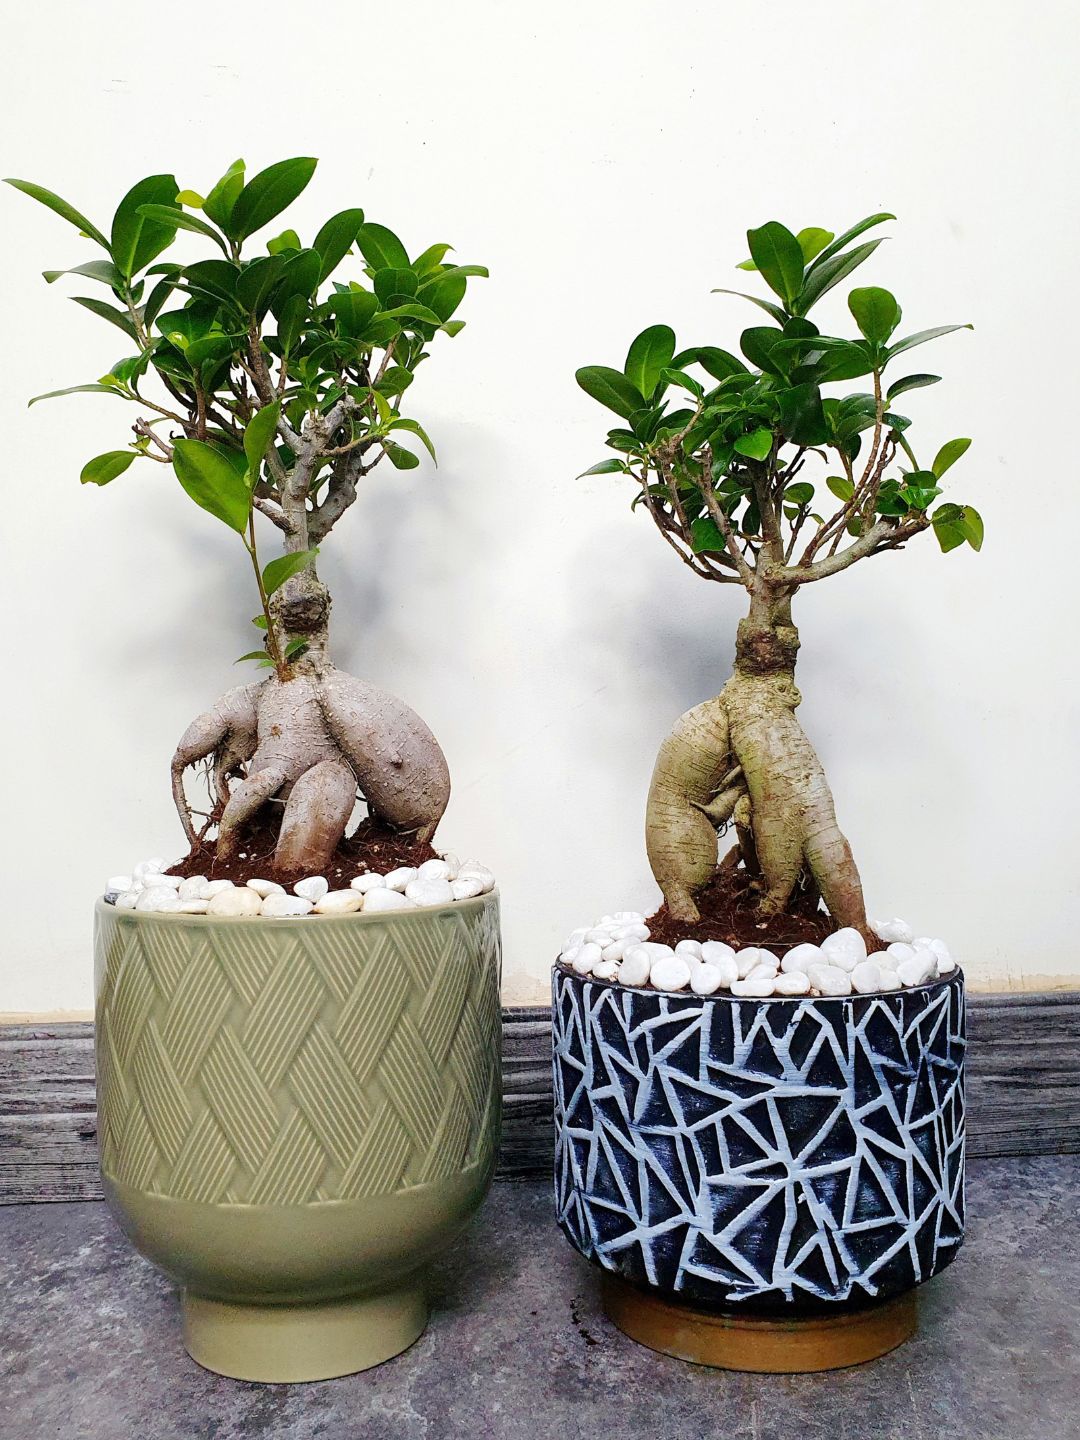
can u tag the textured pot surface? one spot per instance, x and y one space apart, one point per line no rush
298 1112
778 1156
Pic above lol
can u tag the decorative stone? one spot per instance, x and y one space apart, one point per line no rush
161 882
399 878
890 980
266 887
148 867
670 972
715 951
473 871
598 935
606 970
586 958
830 980
792 982
921 967
617 949
628 917
453 865
384 899
706 978
866 978
118 883
689 948
635 966
339 902
466 889
801 957
192 888
215 887
157 897
763 972
433 870
236 900
747 959
844 948
192 907
312 888
754 987
128 900
279 905
894 929
370 880
631 932
436 891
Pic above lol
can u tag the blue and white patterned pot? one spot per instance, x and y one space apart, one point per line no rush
774 1156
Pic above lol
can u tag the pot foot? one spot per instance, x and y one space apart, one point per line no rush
754 1343
290 1343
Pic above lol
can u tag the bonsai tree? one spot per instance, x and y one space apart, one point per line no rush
758 472
270 389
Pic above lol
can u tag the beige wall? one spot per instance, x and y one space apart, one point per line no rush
603 159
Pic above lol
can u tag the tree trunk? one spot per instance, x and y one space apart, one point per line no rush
745 755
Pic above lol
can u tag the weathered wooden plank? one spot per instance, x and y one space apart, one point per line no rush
1023 1093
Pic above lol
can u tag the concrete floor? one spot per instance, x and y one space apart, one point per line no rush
517 1347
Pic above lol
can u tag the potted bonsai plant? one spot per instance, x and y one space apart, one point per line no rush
759 1091
298 1023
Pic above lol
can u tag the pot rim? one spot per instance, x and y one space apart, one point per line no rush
560 969
284 922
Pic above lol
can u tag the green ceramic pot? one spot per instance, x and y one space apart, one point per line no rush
295 1116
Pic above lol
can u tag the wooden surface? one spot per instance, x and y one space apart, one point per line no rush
1023 1087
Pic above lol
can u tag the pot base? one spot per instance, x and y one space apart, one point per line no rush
753 1343
290 1343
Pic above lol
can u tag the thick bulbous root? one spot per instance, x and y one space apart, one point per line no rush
311 743
744 757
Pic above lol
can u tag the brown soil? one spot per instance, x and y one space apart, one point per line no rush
371 846
729 913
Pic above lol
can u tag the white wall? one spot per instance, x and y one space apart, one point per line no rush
604 160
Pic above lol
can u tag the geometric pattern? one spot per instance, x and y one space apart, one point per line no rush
285 1062
773 1155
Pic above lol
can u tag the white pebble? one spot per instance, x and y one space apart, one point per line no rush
844 948
158 897
215 887
367 882
600 935
751 957
945 962
706 978
690 949
866 978
193 907
628 917
266 887
128 900
588 956
339 902
119 883
714 951
148 867
155 881
478 872
890 980
635 966
279 905
433 870
763 972
436 891
792 982
466 889
616 950
921 967
312 888
575 938
236 900
631 932
754 987
900 950
606 970
830 980
670 972
399 878
801 957
894 929
453 865
384 899
192 888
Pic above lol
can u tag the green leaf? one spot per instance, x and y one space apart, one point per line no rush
251 655
336 237
110 313
213 482
835 246
103 270
841 487
396 380
161 214
846 362
766 305
295 648
381 248
268 193
258 436
611 388
649 353
136 238
354 310
256 281
95 389
706 536
779 257
758 344
412 311
611 466
971 526
393 286
921 337
192 199
757 445
720 364
801 493
821 277
60 207
104 468
674 376
218 205
403 422
444 294
876 312
910 382
285 567
812 241
283 243
429 261
948 455
399 457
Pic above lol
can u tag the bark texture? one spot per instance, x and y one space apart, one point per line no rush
744 756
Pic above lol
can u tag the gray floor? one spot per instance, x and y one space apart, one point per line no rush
90 1346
